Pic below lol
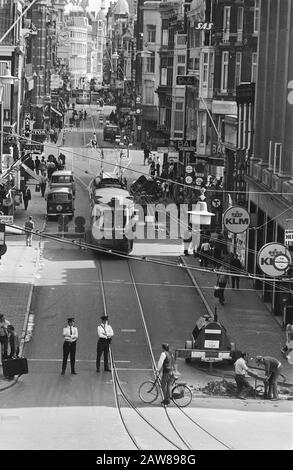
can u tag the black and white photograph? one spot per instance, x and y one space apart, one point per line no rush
146 229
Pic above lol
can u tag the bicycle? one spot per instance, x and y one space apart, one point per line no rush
181 394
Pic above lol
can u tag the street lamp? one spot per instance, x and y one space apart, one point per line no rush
200 216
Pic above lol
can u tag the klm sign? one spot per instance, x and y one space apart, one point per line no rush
236 219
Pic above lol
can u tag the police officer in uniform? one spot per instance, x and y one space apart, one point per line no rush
105 334
70 334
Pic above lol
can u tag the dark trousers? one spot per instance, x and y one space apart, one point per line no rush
166 382
271 387
243 386
69 349
4 346
43 189
25 202
102 347
221 292
235 281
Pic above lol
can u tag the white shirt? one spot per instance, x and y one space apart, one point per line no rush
105 331
70 337
161 360
240 366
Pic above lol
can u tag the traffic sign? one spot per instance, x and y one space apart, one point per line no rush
185 80
216 203
271 259
281 262
188 179
236 219
188 169
198 181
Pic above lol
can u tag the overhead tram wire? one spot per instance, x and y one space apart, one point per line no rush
144 259
208 189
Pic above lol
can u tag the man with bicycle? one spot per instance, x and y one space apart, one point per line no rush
166 365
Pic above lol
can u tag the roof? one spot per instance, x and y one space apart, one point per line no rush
62 173
64 189
121 8
105 195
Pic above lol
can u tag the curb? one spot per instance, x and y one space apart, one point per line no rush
27 315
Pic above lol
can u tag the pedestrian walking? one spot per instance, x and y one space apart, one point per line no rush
152 169
241 369
146 153
4 336
166 366
43 183
37 165
26 196
236 268
70 334
105 334
222 281
94 141
273 369
29 227
42 165
187 239
205 253
158 165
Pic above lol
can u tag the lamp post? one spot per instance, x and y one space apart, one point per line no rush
6 79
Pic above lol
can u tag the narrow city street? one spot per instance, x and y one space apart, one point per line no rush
146 229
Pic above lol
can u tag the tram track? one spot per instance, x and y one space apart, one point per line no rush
169 413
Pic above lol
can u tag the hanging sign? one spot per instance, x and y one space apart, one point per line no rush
274 259
236 219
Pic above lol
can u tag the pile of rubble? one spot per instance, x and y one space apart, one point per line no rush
222 387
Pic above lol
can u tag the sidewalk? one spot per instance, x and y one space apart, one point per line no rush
248 322
18 268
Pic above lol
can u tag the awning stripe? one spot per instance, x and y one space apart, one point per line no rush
55 110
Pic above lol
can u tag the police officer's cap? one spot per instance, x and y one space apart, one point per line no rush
165 346
104 317
70 319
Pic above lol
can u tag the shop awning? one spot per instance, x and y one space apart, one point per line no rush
55 110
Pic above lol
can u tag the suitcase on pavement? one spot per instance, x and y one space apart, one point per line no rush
16 366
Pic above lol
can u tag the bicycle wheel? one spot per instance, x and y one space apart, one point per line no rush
181 395
148 392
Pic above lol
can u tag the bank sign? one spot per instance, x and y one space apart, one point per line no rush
236 219
274 259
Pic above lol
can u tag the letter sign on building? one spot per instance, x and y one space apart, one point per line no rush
236 219
274 259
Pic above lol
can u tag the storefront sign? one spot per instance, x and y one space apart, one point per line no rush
274 259
236 219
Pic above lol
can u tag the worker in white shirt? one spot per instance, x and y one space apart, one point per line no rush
105 334
166 365
241 369
70 334
187 239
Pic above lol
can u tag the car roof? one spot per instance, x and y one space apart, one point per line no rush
60 190
105 195
63 173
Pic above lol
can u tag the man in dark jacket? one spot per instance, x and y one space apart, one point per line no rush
273 369
236 268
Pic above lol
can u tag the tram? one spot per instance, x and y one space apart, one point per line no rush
113 220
